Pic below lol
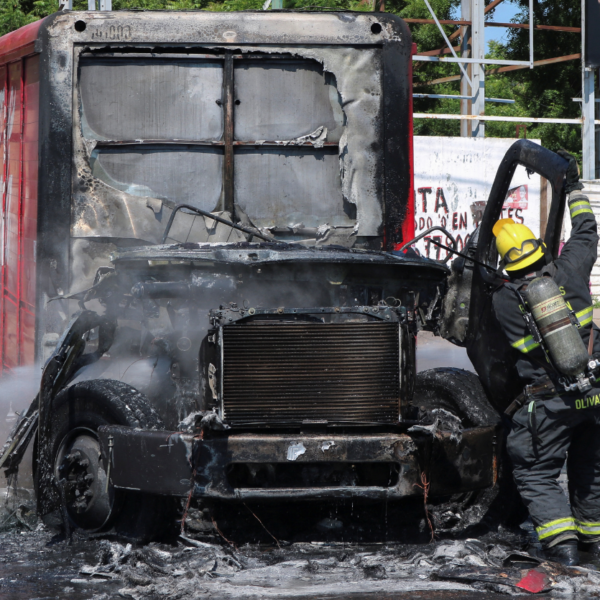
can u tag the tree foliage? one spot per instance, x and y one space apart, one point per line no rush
545 91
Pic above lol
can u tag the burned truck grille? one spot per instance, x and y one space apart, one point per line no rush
301 372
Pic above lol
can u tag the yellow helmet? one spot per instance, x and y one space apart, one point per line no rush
516 244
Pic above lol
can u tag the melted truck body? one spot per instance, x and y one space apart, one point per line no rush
217 301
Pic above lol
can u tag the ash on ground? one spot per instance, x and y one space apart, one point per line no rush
210 561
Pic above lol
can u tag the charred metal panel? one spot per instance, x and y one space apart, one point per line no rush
297 188
472 462
295 95
409 269
54 180
158 462
397 181
151 98
184 174
344 50
347 184
357 73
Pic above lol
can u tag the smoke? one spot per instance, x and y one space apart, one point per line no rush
17 390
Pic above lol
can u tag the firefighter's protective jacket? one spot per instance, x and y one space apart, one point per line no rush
571 272
549 426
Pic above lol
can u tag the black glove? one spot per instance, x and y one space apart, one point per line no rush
572 175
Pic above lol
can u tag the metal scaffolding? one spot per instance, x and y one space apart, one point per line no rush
472 63
588 103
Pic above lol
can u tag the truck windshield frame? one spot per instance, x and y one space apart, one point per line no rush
298 149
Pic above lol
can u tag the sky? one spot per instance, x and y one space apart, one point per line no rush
503 13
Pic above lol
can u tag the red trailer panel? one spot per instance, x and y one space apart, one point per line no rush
19 43
19 147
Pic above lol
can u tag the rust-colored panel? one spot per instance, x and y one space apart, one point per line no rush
11 284
30 148
29 231
14 104
3 165
30 187
27 336
13 176
12 227
19 121
31 112
27 247
28 209
20 42
10 352
2 131
28 284
10 291
30 134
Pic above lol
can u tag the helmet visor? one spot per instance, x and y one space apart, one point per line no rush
528 247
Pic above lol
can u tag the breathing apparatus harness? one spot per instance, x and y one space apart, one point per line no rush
588 370
554 326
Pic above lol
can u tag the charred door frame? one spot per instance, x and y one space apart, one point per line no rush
541 160
490 355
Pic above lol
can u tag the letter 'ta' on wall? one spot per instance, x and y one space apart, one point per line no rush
453 179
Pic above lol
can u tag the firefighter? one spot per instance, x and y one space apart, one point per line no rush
549 424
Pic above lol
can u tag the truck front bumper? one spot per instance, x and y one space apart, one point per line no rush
312 466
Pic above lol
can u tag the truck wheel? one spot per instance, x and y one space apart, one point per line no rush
461 393
89 503
457 391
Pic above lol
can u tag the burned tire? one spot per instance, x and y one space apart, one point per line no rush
461 393
457 391
87 501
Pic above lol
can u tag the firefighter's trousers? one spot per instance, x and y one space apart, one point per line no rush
544 433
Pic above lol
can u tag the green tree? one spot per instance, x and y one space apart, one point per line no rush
14 14
545 91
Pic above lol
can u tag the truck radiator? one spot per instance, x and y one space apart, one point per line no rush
293 373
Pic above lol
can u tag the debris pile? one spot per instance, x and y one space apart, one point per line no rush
194 569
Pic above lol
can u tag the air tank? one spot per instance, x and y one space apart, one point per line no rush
561 337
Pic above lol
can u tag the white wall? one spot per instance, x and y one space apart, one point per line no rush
592 189
458 172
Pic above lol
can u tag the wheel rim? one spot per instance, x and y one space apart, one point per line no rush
79 470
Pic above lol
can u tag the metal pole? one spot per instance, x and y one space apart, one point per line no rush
450 47
531 34
588 128
92 5
588 132
478 45
465 52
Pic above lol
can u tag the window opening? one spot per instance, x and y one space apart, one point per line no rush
254 135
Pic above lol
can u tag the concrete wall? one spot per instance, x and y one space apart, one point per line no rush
453 179
592 189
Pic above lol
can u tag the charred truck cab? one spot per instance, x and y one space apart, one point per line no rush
218 306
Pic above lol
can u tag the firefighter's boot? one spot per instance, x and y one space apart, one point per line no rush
592 548
565 553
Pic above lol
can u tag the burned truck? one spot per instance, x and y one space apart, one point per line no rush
207 217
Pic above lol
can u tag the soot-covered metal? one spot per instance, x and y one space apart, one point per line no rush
260 343
247 371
